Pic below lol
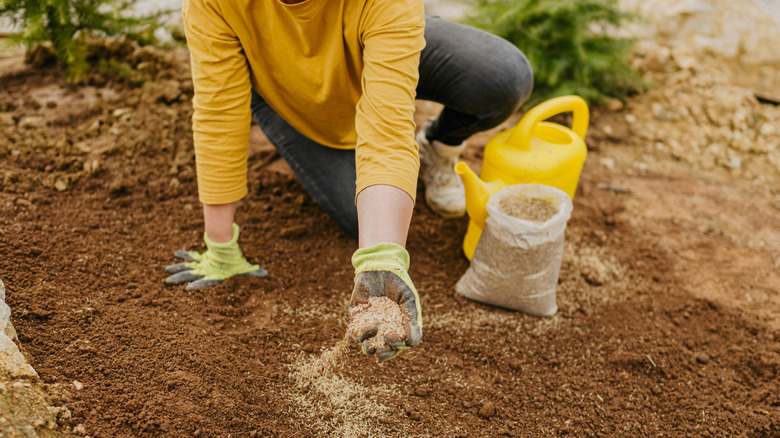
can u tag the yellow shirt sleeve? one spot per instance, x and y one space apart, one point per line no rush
221 118
386 152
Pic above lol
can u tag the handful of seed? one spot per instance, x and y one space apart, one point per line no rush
379 313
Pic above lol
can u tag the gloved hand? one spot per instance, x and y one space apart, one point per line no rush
220 262
380 270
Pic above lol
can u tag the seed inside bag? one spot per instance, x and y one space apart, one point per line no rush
530 209
516 264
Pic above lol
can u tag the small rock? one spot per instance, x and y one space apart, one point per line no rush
300 199
487 410
703 358
7 119
80 430
630 118
614 104
186 86
685 61
61 185
656 390
421 391
94 127
174 182
294 231
171 89
119 186
607 162
78 385
658 111
21 202
119 112
656 60
767 129
133 99
62 413
735 162
515 364
166 91
92 167
31 122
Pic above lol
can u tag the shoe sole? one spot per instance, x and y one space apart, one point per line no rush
443 213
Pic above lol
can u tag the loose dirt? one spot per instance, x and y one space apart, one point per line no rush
668 293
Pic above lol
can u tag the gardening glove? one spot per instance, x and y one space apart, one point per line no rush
380 270
220 262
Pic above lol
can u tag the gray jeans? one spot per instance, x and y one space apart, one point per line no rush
480 79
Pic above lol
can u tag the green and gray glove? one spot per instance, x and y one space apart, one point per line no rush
381 270
220 262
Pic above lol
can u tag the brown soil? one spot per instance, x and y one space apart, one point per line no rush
530 209
668 293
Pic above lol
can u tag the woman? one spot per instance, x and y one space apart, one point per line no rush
332 84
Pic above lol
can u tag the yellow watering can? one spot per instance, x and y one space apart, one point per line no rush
534 151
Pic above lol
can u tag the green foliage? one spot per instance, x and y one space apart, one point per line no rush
68 25
122 71
568 43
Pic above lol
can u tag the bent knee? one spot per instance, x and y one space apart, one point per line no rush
503 84
515 84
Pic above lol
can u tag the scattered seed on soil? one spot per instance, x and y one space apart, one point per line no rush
379 312
529 209
154 367
324 363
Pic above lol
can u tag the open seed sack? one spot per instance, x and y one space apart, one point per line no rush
518 258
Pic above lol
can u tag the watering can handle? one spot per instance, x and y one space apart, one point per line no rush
521 135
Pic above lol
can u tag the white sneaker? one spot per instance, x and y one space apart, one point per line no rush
444 191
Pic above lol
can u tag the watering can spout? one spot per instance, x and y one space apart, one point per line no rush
478 193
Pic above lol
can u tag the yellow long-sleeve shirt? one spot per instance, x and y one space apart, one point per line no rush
341 72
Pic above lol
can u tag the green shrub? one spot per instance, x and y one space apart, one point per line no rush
569 43
69 24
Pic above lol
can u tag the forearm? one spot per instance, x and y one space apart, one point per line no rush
384 214
219 221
